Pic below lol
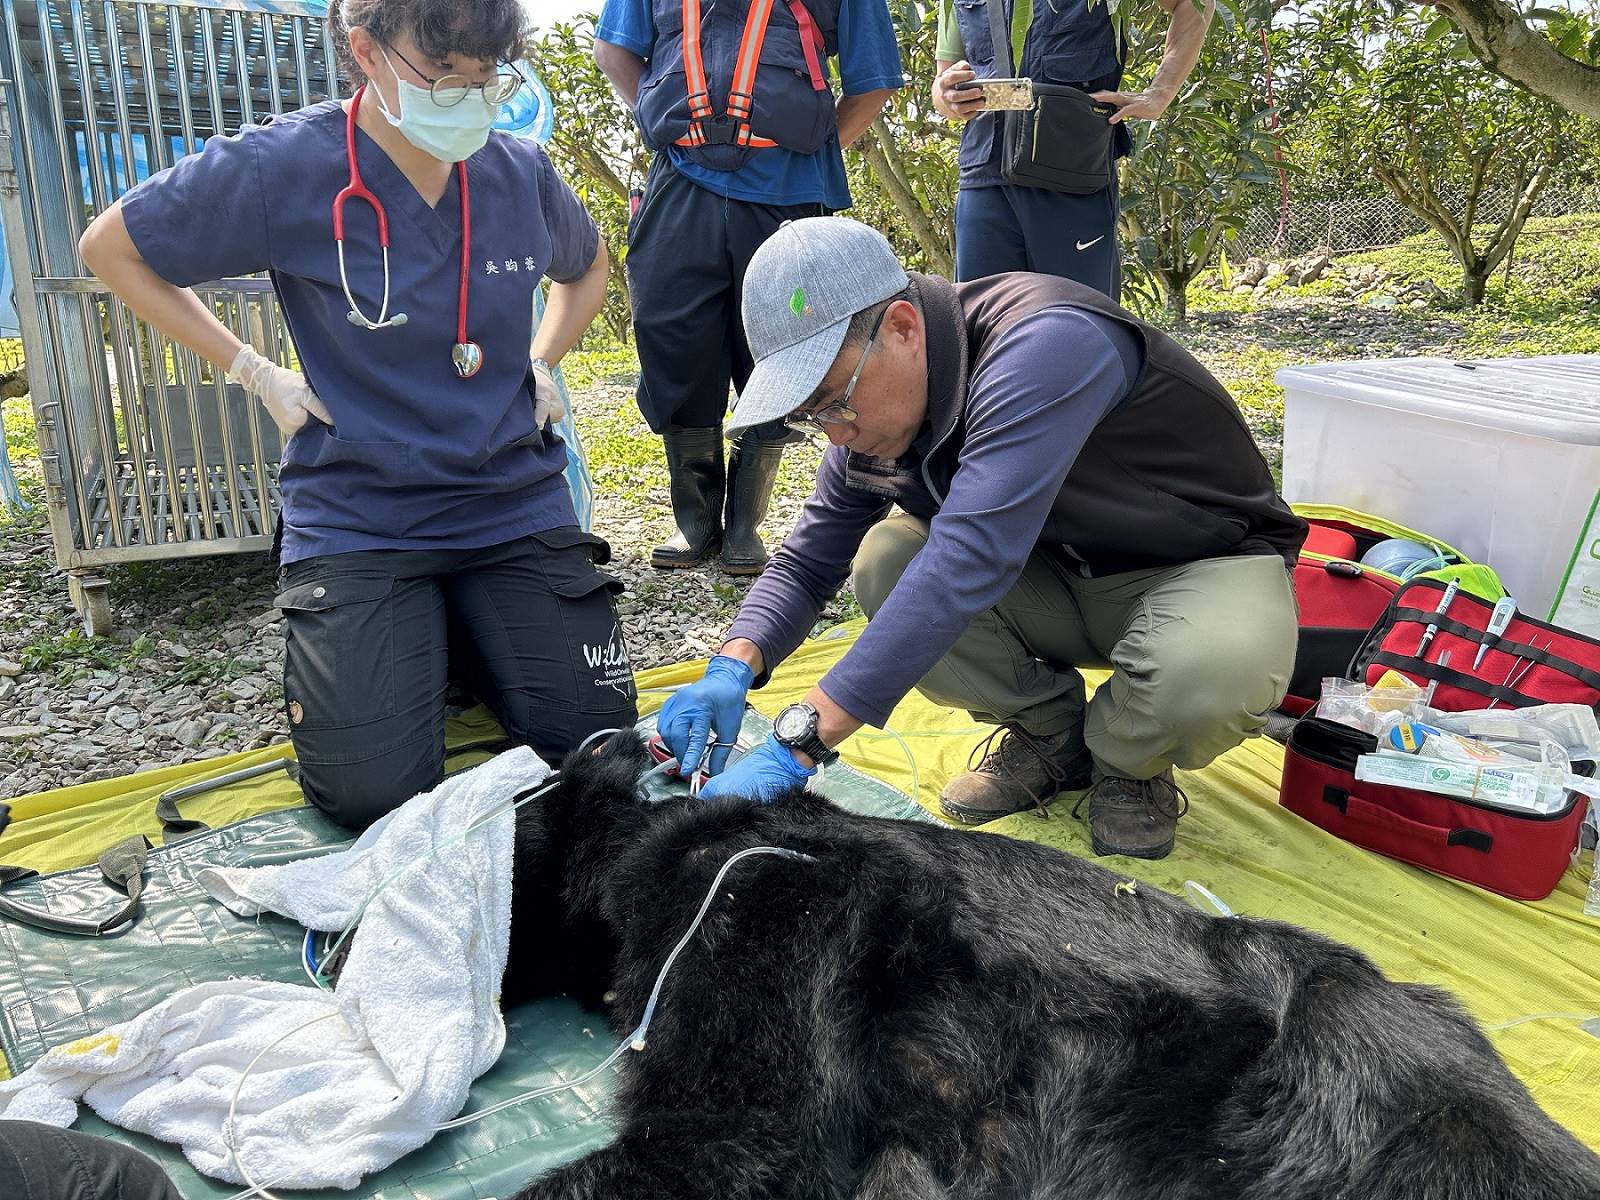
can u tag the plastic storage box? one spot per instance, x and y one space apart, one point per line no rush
1499 457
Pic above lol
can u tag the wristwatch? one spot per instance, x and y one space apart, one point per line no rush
796 728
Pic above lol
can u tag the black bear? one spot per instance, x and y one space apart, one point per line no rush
905 1012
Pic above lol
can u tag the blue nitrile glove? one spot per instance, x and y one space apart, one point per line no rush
763 774
713 705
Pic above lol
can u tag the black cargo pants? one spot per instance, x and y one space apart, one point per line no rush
687 252
40 1162
375 636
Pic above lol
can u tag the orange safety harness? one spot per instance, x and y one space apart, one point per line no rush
733 128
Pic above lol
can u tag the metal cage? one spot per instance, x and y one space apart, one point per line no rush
147 452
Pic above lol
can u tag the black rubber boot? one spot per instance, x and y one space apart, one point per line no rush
694 461
752 470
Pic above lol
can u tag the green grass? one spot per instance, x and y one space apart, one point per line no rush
72 655
613 364
199 671
1551 305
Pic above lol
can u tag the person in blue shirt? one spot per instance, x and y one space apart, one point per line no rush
736 155
1004 226
426 525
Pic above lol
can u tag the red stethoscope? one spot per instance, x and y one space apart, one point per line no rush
466 355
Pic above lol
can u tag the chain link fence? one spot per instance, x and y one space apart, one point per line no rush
1346 223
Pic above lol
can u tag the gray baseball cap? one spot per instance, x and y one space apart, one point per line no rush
801 289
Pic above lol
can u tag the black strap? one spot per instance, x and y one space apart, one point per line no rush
1000 36
1472 839
1371 651
122 867
1458 679
1538 654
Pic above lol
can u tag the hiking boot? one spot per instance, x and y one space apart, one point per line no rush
752 470
1023 771
696 479
1134 817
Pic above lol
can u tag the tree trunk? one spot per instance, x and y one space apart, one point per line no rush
1508 46
1474 277
877 146
1175 286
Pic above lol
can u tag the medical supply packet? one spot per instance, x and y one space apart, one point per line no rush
1531 789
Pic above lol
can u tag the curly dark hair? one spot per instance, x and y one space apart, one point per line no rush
496 29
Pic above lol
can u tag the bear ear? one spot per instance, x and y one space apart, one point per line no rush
615 762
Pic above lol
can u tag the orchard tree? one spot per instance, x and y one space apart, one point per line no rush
1415 108
1196 174
595 145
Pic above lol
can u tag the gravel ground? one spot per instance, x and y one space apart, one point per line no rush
196 666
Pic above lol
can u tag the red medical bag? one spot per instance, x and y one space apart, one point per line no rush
1520 855
1341 599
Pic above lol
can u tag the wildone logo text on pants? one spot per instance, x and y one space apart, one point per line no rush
609 662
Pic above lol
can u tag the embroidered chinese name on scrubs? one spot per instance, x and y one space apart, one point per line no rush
417 457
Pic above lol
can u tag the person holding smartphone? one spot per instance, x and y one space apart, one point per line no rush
1002 226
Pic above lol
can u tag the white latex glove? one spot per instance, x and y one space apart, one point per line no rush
547 404
285 395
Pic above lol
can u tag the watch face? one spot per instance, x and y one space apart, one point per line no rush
793 722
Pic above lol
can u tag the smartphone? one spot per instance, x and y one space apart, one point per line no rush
1003 94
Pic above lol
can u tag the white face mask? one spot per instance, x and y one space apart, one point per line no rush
450 134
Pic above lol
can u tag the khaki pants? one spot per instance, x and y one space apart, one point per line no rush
1199 653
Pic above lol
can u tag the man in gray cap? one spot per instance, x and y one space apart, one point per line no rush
1074 490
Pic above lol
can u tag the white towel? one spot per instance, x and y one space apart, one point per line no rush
415 1019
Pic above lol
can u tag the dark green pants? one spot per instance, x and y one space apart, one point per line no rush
1199 653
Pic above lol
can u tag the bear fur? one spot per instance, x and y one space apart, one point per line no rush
921 1013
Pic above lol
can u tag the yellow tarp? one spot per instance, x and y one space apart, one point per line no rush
1502 958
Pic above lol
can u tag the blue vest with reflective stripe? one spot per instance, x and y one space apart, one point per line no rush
787 108
1069 41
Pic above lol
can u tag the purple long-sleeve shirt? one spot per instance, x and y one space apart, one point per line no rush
1033 399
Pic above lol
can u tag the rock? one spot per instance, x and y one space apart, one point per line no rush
15 733
1309 269
191 733
240 690
8 687
9 669
269 617
128 721
179 650
1251 273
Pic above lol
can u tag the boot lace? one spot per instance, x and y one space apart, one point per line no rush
1016 752
1161 795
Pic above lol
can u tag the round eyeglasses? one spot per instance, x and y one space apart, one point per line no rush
840 411
450 90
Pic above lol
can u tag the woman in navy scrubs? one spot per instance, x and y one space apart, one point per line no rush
426 522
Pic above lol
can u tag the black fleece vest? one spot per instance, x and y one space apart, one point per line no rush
1170 475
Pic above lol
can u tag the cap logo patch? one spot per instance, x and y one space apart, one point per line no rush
797 303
